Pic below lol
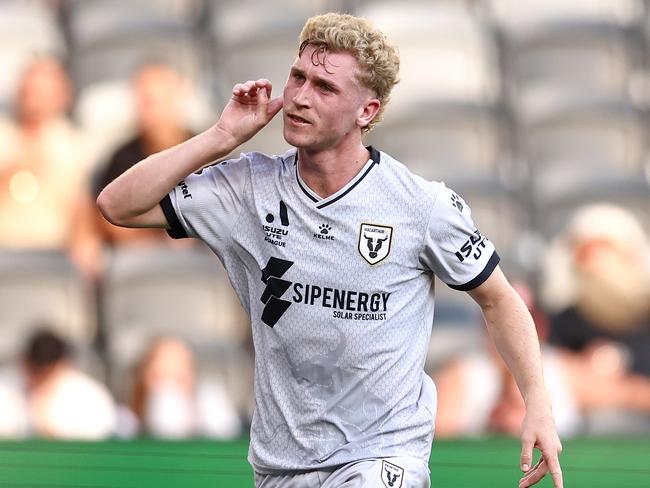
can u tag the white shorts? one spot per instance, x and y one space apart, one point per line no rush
394 472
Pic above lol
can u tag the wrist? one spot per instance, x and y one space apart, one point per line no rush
536 396
222 140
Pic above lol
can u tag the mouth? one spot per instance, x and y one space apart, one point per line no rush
297 119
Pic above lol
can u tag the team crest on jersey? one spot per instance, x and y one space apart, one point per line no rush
391 475
375 242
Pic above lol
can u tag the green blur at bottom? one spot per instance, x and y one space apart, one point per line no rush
143 463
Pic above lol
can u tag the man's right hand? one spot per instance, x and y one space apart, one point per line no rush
132 199
248 111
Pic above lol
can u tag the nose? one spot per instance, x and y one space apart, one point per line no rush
301 96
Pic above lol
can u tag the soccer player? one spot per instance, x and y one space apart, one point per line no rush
332 249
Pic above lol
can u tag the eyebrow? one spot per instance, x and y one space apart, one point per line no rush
297 71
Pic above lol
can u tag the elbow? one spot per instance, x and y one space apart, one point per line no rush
107 208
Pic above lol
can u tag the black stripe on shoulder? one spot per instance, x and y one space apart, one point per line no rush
374 163
176 230
483 275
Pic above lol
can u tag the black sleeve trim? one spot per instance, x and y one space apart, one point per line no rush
176 230
483 275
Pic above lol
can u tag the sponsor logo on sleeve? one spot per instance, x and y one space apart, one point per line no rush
185 190
472 247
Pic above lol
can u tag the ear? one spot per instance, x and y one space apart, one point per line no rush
368 112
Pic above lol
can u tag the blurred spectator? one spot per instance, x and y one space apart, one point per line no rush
44 167
598 280
160 93
58 400
170 400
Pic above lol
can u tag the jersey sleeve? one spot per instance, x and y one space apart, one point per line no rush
206 204
454 249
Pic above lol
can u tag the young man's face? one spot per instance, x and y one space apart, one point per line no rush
325 103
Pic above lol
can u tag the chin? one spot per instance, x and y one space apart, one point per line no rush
294 139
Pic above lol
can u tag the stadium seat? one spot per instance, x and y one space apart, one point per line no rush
583 47
551 209
95 21
445 53
40 288
518 15
110 39
448 141
149 292
568 135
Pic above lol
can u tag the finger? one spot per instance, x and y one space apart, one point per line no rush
262 104
534 475
275 106
251 89
553 463
264 83
241 89
526 453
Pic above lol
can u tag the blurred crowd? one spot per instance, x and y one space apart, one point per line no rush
595 334
48 186
589 295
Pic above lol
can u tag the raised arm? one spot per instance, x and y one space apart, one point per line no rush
513 332
131 200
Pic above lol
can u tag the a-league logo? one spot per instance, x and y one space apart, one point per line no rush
391 475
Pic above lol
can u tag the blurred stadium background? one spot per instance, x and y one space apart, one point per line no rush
529 109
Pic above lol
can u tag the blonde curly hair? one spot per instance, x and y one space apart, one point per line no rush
378 59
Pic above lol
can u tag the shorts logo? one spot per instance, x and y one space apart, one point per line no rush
375 242
391 475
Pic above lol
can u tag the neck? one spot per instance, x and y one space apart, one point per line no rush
326 172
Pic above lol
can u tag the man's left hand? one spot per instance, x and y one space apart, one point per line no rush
539 432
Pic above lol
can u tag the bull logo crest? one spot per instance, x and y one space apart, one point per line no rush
391 475
375 242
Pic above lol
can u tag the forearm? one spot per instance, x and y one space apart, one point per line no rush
141 187
512 329
514 335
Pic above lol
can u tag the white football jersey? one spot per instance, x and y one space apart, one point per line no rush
340 295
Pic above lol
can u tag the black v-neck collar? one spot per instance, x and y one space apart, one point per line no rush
324 202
